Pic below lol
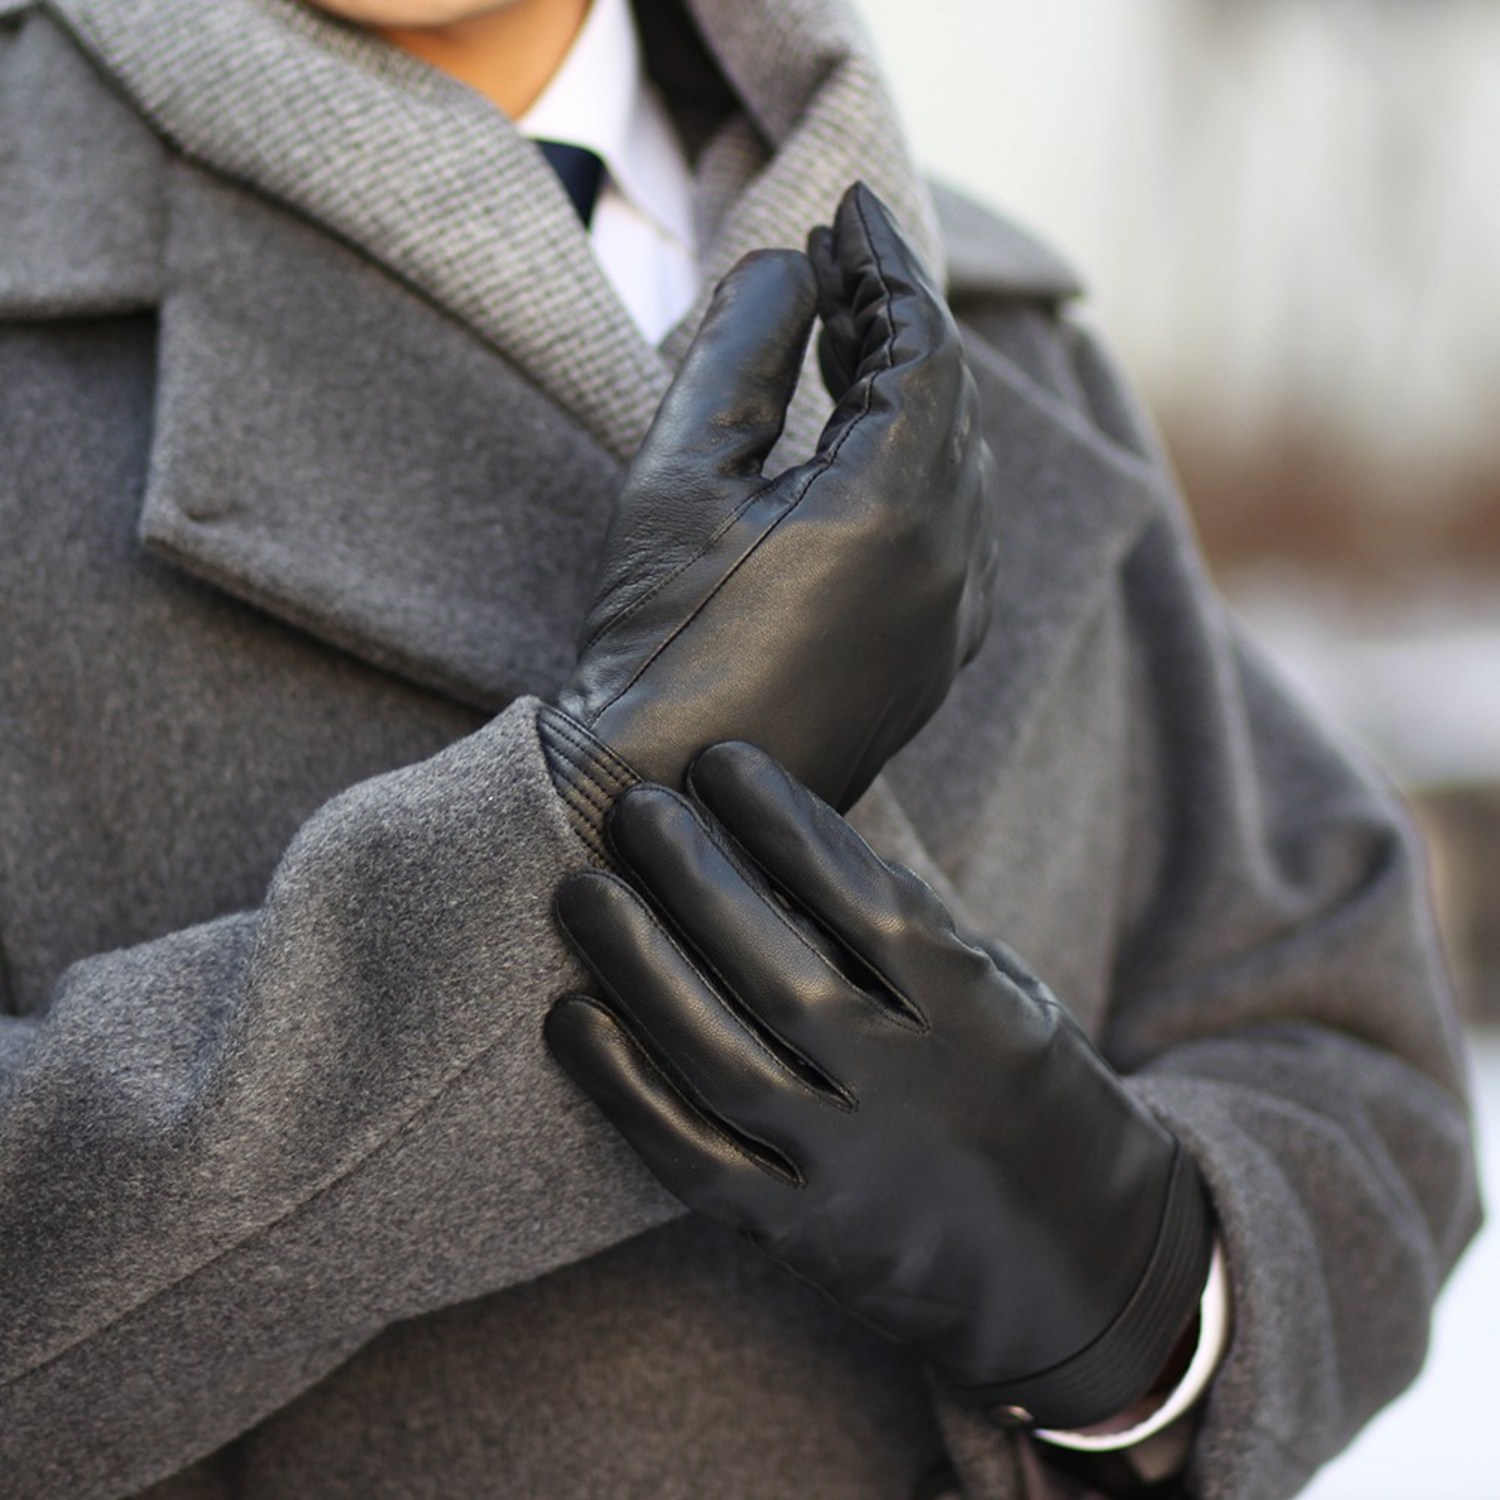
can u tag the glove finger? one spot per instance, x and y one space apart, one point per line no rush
778 968
979 602
888 336
696 1160
727 405
721 1060
838 342
883 914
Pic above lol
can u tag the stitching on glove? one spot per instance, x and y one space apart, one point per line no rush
593 752
708 546
717 837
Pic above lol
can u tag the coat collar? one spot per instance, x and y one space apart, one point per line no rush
329 447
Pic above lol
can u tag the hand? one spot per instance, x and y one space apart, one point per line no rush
824 612
798 1044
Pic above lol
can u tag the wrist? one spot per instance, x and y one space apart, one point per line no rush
1181 1386
1125 1361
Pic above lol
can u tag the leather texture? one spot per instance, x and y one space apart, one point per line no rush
798 1042
821 613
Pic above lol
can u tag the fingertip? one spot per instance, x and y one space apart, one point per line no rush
821 256
574 903
564 1028
858 209
591 1046
872 213
727 404
865 199
725 775
722 759
858 193
869 236
641 816
785 275
565 897
691 1155
819 242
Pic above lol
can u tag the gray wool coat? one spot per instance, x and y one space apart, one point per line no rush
311 405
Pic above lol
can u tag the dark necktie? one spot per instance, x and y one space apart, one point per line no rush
579 171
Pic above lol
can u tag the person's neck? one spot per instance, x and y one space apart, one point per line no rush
507 55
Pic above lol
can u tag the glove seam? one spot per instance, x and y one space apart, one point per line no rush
582 785
912 1019
888 297
589 789
578 765
592 751
724 579
708 546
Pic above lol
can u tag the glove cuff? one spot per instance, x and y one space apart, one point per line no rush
588 775
1120 1365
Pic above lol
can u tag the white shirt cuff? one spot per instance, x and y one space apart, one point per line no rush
1213 1338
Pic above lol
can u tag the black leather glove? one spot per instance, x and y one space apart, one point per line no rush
798 1044
822 613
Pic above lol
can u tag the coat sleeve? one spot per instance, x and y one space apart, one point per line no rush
231 1156
1281 1001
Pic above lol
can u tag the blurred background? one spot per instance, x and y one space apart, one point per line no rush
1288 214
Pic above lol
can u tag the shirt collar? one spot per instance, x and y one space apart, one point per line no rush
600 98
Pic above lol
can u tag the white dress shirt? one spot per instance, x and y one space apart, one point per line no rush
642 228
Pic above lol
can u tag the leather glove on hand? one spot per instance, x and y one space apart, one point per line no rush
824 612
798 1044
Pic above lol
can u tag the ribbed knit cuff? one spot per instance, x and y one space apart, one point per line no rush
1121 1364
588 775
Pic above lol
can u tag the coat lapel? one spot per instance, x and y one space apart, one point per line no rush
1077 485
332 449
